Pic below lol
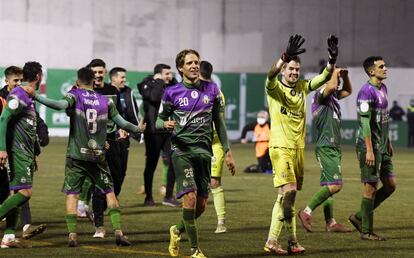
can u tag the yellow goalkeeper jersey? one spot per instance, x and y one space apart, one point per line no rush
287 108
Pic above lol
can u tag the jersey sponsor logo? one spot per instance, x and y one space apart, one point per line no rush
91 102
206 99
194 94
13 104
89 94
285 111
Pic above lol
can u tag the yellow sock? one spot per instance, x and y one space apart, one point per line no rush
276 223
219 203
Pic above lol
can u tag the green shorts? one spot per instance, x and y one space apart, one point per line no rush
192 173
383 167
329 159
21 169
77 171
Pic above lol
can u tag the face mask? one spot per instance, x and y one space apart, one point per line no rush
261 121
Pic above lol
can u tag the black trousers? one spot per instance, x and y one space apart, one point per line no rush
154 143
117 158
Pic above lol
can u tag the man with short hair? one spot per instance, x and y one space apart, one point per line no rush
287 109
374 148
193 105
112 152
206 70
156 139
85 158
326 113
128 111
17 150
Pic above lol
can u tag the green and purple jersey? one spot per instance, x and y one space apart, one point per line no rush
326 113
89 113
21 128
192 107
372 103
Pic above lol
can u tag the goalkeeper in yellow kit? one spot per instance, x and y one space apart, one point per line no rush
287 105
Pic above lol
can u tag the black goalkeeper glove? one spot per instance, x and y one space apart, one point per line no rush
332 48
293 48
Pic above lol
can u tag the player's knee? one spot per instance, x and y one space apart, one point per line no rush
26 192
215 182
287 204
190 200
335 188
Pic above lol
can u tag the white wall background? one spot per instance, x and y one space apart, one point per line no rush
235 35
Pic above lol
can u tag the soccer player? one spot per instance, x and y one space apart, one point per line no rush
327 123
206 69
374 148
17 151
287 107
89 113
193 105
13 78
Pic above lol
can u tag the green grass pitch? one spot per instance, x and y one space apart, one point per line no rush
250 199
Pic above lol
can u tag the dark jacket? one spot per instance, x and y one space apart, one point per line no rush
151 91
129 109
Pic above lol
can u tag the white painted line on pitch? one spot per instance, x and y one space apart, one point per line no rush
103 249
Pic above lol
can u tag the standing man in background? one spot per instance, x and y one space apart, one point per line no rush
206 69
287 108
374 148
112 152
156 139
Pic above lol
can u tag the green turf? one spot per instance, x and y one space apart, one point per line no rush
250 199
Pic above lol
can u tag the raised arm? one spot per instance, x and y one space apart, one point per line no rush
292 49
347 86
322 78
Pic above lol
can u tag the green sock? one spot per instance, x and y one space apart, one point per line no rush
276 223
11 221
71 222
115 215
380 196
190 227
319 197
219 203
13 201
328 209
367 207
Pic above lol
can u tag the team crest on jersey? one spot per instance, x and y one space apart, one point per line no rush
13 104
293 92
206 99
23 180
92 144
194 94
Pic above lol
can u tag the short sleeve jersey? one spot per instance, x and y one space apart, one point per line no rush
89 113
191 107
372 102
326 113
21 130
287 108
